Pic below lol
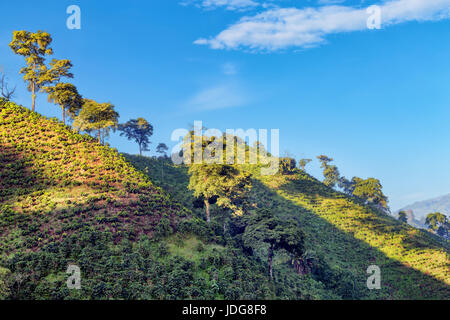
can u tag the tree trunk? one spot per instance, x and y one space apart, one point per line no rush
208 218
99 137
33 96
270 255
64 115
140 150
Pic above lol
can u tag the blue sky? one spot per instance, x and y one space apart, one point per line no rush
377 101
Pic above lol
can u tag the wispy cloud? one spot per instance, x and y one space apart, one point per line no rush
229 69
217 97
227 4
281 28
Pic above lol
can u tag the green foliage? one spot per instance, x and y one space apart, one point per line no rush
227 184
5 278
402 217
303 163
65 199
264 227
287 165
138 130
162 149
330 172
438 223
67 97
33 47
94 116
370 190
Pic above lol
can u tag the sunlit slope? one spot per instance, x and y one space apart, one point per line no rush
343 236
54 182
65 199
352 236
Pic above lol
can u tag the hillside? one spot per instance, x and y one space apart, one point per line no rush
65 199
422 208
343 236
136 233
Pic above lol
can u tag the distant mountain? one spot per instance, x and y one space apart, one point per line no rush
422 208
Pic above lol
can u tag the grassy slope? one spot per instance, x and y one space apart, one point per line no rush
352 236
343 234
66 199
55 182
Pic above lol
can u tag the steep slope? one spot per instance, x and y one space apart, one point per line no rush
422 208
54 182
352 236
344 237
65 199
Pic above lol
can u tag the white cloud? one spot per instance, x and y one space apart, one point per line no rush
282 28
227 4
217 97
330 1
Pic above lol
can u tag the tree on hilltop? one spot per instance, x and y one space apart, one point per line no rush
226 184
162 149
263 227
67 97
99 117
330 172
402 216
139 130
34 47
438 223
370 190
303 163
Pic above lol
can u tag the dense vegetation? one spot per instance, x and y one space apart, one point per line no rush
342 234
144 228
65 199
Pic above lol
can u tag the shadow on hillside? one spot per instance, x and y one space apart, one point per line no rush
385 224
342 250
17 177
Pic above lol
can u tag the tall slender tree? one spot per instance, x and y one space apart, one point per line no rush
67 97
162 149
99 117
330 172
34 47
438 223
139 130
263 227
370 190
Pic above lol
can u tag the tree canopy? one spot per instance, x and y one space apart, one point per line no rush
330 172
402 216
139 130
303 163
370 190
438 223
99 117
162 149
263 227
34 47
